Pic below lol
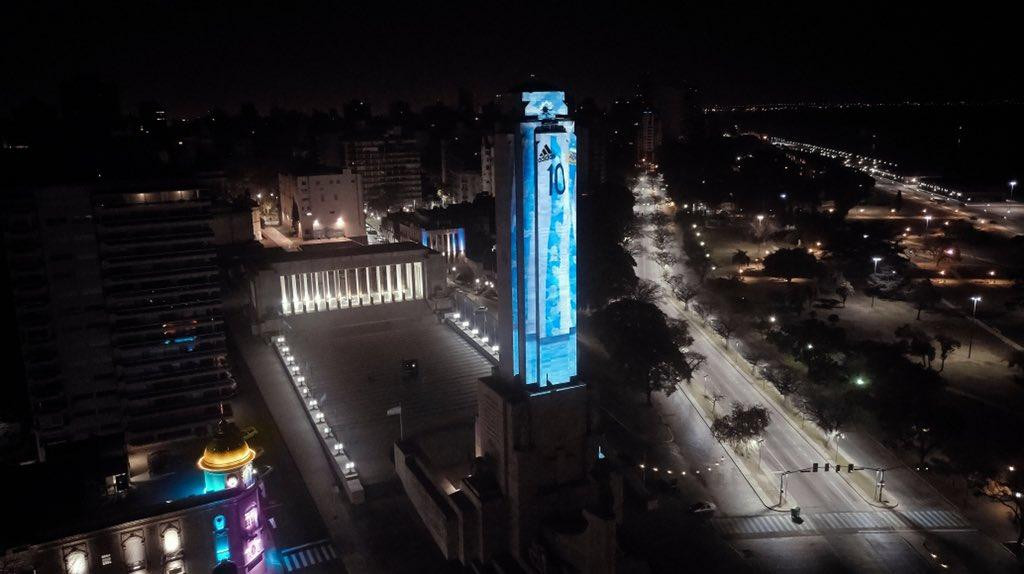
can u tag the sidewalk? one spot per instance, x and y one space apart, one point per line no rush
302 443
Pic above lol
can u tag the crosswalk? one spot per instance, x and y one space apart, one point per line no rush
299 557
774 524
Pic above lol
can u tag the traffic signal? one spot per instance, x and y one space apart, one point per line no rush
849 467
827 467
839 467
814 467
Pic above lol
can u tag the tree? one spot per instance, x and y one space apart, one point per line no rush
832 409
743 425
388 196
295 217
917 342
701 266
1016 361
694 361
740 258
645 344
790 263
925 296
1005 487
680 333
947 346
716 397
784 379
682 290
645 291
844 293
726 326
667 258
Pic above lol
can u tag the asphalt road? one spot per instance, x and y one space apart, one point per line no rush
832 507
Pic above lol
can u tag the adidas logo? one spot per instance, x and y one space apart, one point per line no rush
545 154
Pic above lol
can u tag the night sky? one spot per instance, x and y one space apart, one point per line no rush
194 56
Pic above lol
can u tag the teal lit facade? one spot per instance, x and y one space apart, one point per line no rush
541 244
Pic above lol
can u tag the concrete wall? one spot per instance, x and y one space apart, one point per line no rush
430 502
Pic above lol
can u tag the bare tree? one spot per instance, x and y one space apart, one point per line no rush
645 291
947 346
695 361
726 326
715 398
682 290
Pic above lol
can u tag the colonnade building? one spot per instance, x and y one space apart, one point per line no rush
358 283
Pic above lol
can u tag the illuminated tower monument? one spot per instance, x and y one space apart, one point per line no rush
541 496
536 211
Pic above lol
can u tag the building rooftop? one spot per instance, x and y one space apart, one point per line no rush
358 372
335 249
70 496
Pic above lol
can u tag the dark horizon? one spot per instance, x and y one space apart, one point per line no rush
310 57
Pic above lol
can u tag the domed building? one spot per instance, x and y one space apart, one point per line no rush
170 525
227 459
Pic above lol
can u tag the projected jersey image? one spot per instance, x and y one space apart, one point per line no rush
550 302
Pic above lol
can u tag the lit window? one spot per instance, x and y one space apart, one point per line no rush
253 549
172 541
106 559
77 562
251 518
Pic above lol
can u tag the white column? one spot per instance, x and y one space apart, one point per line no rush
328 291
358 292
306 299
408 281
418 284
380 285
286 308
391 287
316 290
348 290
369 294
400 291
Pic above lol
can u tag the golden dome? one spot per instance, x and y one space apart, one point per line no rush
227 451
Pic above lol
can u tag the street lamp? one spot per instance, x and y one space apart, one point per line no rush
860 382
876 260
974 314
927 220
1012 184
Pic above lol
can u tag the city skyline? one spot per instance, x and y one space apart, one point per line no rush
304 57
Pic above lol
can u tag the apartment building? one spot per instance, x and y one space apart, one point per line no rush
117 299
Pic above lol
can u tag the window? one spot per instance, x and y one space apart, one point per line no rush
106 560
171 541
134 547
76 561
250 520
